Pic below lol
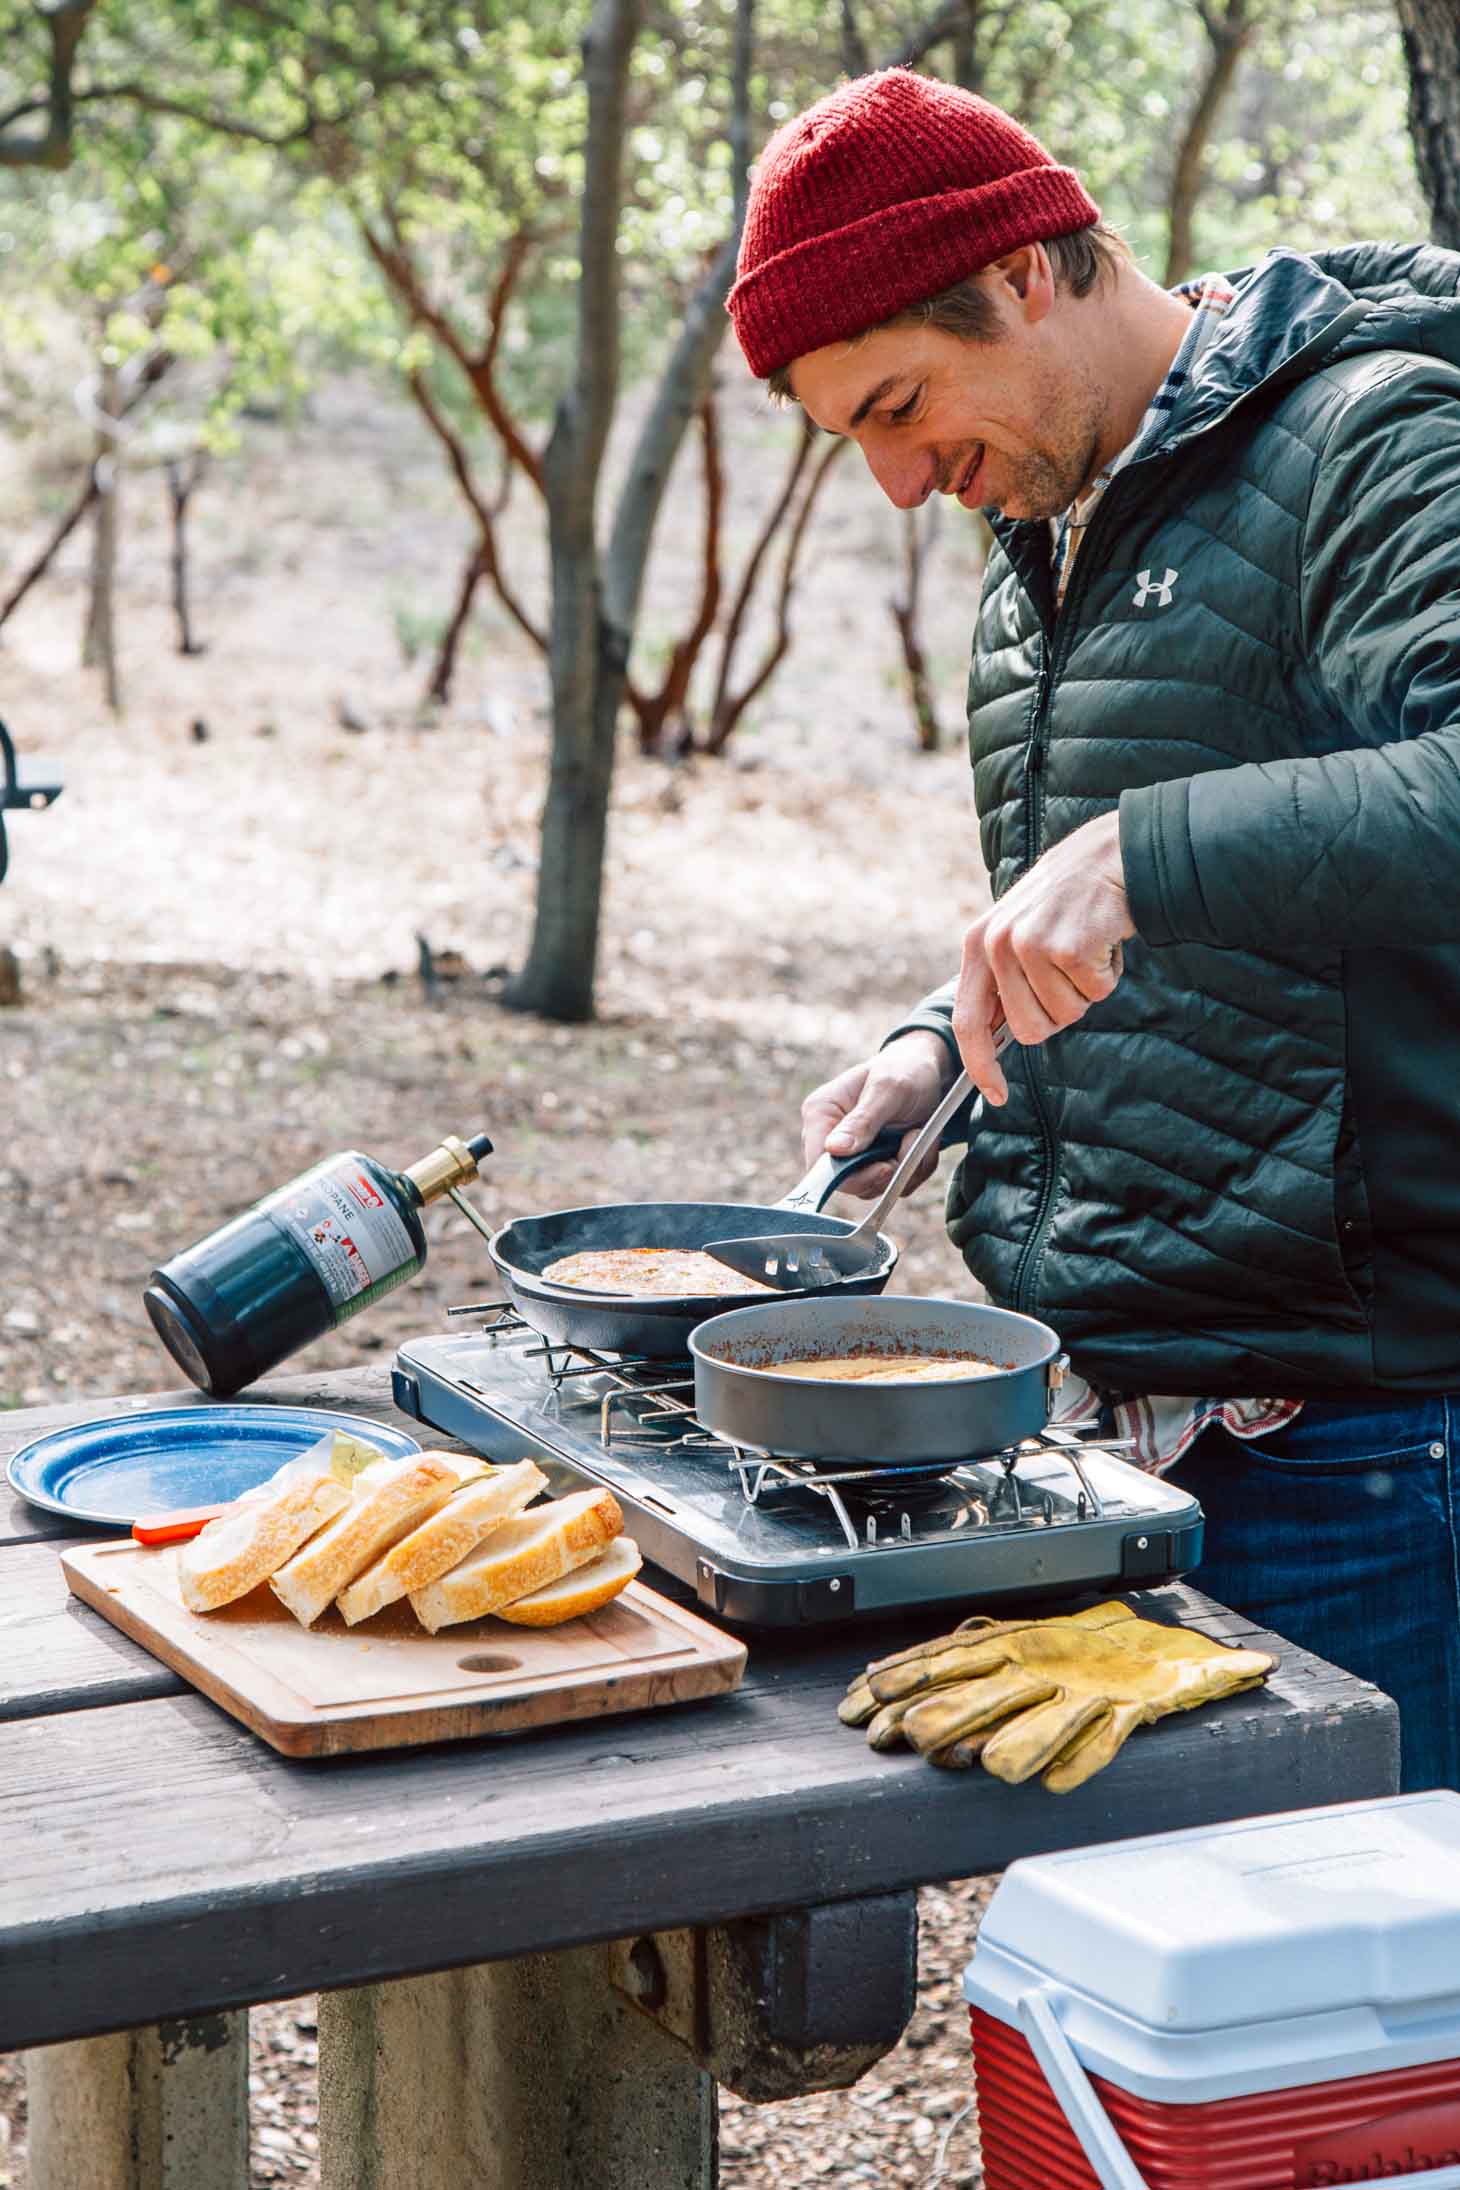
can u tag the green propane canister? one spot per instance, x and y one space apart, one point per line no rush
301 1262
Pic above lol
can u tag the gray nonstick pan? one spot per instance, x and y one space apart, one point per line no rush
659 1325
739 1395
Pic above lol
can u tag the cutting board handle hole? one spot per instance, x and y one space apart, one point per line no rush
489 1661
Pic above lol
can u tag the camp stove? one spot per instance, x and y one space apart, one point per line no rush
772 1541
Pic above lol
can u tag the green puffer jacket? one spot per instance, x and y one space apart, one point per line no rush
1240 1173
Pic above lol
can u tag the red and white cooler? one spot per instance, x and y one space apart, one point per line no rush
1272 2005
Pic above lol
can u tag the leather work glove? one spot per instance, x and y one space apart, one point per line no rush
1056 1696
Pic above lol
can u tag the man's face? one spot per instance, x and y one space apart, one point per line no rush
1012 424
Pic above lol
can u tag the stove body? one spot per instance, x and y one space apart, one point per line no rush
764 1541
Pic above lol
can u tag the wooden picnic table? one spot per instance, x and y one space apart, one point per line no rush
535 1954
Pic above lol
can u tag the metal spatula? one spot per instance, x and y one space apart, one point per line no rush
792 1262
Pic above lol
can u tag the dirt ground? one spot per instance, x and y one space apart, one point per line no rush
217 931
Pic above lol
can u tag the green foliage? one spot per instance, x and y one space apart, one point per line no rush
228 153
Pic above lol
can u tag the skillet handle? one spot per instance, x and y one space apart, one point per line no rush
827 1173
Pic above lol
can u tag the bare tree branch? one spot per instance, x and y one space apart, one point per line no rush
155 365
918 531
750 577
728 715
482 510
655 710
400 270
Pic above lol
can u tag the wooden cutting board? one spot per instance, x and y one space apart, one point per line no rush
329 1689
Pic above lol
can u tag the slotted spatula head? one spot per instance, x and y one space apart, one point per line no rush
798 1262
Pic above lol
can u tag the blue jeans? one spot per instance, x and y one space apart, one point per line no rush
1342 1533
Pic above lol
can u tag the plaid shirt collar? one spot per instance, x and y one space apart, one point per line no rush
1209 298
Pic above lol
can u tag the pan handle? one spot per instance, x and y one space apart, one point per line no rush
828 1171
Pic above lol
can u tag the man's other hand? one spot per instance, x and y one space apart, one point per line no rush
1047 951
901 1085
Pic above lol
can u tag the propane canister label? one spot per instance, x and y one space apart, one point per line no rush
349 1231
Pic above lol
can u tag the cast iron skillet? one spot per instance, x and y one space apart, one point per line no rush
659 1326
907 1425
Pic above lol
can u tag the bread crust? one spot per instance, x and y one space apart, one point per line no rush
441 1541
390 1499
254 1537
585 1590
521 1556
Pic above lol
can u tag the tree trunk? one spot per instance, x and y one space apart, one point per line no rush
1229 34
1430 32
182 481
588 656
98 644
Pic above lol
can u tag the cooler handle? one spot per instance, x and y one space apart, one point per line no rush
1075 2092
1093 2127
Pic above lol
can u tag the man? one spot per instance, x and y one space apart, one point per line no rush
1215 726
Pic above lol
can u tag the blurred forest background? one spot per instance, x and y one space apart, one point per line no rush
444 644
477 707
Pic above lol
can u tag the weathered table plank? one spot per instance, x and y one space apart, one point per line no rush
160 1861
57 1654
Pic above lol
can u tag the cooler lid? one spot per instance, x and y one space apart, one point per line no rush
1313 1912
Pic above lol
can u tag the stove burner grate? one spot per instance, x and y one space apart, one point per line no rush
634 1395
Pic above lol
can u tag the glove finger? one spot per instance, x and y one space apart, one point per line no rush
858 1704
980 1629
958 1756
1093 1749
1109 1613
953 1712
965 1631
963 1662
1032 1740
885 1730
931 1665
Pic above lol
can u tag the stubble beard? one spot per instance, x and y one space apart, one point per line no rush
1044 481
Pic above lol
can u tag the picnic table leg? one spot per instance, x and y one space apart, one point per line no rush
532 2074
163 2107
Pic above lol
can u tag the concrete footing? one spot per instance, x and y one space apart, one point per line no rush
164 2107
532 2074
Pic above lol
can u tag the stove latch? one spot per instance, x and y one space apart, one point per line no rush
778 1604
1149 1553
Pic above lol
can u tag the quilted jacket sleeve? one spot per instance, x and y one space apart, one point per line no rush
935 1012
1360 846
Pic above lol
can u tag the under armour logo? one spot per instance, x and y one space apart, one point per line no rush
1148 585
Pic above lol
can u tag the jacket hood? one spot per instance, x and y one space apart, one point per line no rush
1293 314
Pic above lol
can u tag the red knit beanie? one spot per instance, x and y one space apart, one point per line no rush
883 194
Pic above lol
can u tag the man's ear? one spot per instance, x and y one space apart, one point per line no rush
1028 281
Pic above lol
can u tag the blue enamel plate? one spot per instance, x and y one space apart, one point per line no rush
162 1459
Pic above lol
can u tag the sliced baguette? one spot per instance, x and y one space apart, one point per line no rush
584 1590
442 1541
390 1499
521 1556
256 1534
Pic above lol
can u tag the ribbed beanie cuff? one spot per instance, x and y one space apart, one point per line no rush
883 194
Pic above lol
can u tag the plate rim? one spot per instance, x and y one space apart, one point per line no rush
331 1417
